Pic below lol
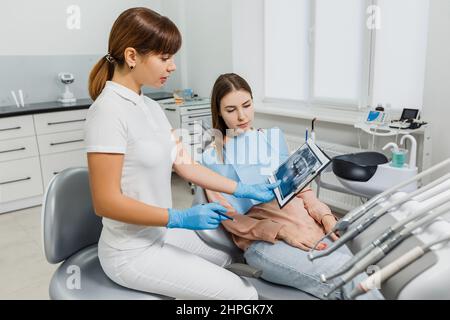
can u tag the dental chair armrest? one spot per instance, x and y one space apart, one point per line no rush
216 238
244 270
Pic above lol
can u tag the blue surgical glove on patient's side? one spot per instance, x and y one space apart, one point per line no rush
261 192
199 217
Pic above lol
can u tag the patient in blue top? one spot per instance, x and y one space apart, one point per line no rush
274 240
250 156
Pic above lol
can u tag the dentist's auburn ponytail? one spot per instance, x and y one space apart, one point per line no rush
102 72
140 28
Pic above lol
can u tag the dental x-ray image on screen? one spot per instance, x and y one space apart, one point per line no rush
298 171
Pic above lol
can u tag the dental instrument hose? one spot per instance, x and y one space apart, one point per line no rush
385 235
368 221
391 269
358 212
381 251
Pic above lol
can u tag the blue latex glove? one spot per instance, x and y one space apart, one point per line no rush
260 192
199 217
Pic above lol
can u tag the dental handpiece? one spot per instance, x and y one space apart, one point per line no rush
342 224
362 253
352 233
381 251
391 269
390 231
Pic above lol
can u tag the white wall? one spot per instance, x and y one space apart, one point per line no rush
248 43
36 44
175 11
209 45
29 27
437 79
35 32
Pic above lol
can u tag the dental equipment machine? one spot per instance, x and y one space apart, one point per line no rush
431 192
394 267
381 250
376 207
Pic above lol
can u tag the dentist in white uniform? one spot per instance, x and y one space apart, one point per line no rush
131 152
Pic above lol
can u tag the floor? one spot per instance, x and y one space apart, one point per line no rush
24 272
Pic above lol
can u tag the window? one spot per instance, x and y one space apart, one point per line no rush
400 53
286 49
338 50
346 53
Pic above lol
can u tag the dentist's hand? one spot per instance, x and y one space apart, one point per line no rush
260 192
199 217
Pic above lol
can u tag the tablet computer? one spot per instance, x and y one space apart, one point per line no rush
298 171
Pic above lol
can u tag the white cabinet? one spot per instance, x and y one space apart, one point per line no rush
172 114
53 164
20 170
33 148
61 142
18 148
16 127
60 137
193 117
20 179
60 121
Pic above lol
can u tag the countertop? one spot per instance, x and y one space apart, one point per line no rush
54 106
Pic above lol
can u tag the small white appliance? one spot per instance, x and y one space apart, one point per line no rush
67 96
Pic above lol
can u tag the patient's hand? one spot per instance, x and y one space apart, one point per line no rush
328 223
302 240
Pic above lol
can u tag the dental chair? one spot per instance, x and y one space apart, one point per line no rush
221 240
71 230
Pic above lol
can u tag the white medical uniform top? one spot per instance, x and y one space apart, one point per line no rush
121 121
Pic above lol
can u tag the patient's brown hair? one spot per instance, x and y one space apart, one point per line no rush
224 84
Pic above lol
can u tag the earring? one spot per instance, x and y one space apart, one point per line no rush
131 67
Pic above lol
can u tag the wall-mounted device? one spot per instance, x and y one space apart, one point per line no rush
67 96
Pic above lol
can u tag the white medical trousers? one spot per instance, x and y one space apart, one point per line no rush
180 266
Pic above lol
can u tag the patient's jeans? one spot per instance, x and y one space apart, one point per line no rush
283 264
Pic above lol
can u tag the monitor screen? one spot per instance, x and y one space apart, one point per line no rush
409 114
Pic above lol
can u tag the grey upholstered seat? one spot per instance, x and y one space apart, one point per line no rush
220 239
71 231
